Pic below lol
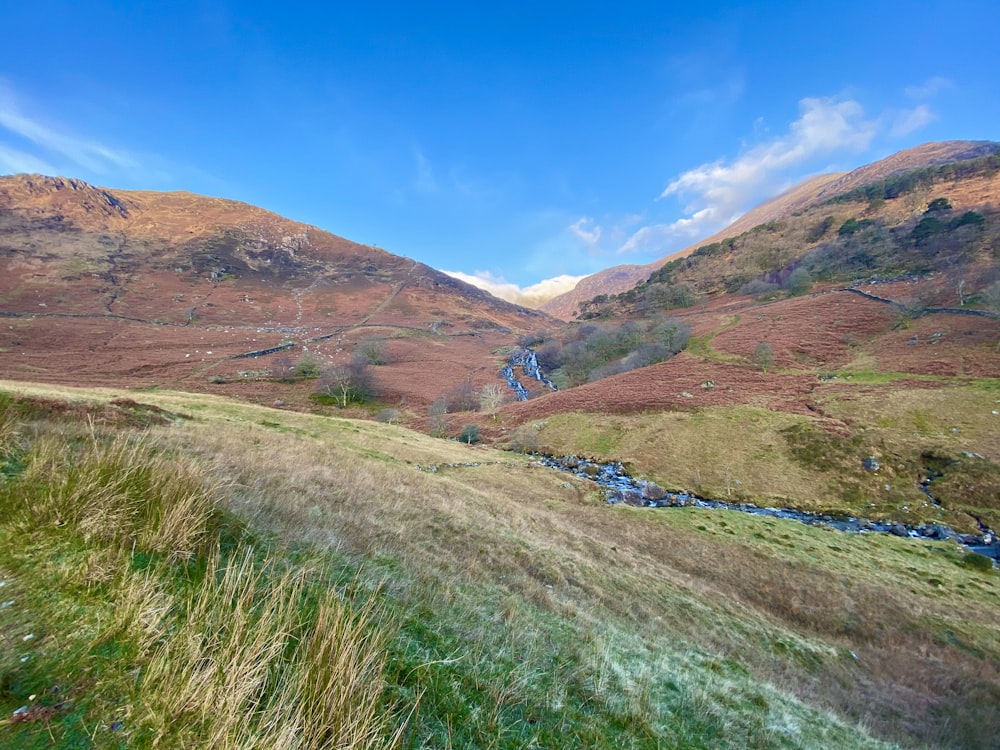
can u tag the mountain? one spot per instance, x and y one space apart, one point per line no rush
111 286
807 193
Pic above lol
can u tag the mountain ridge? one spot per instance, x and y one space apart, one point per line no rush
131 283
619 279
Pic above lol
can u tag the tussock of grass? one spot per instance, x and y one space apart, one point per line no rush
257 659
115 490
137 622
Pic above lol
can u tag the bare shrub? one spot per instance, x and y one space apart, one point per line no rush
346 384
388 416
373 350
763 356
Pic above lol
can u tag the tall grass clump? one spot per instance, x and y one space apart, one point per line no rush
119 490
259 657
138 599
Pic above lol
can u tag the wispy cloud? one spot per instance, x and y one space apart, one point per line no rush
717 193
53 144
13 160
425 181
907 120
529 296
929 88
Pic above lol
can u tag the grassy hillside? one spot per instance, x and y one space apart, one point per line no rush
940 219
189 571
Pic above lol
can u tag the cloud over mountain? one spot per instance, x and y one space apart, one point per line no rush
529 296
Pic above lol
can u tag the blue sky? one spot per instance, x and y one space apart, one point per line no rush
517 142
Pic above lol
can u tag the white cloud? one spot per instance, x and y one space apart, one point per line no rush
586 230
529 296
929 88
53 141
719 192
908 120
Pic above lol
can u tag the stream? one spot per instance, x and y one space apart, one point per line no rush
527 360
638 492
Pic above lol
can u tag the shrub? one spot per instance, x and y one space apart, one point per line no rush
308 367
799 282
469 434
758 288
388 416
763 356
374 351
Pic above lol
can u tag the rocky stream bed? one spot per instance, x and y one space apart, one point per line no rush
622 488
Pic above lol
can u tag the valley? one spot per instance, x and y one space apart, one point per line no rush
384 444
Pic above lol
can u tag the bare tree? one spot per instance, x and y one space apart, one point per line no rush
438 414
491 397
283 369
350 383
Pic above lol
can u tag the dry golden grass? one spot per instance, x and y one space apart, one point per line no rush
248 665
783 602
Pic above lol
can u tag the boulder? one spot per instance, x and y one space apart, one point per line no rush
629 497
653 491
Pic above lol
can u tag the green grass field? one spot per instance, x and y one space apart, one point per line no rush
187 571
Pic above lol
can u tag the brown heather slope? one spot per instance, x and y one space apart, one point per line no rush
807 193
141 288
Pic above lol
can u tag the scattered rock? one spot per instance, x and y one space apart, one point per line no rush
898 529
652 491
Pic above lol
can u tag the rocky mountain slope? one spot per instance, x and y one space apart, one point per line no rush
104 286
807 193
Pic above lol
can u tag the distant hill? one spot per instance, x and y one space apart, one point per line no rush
807 193
940 221
102 285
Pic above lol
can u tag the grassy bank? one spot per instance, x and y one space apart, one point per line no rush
464 597
746 453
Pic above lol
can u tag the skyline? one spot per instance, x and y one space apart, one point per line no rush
511 145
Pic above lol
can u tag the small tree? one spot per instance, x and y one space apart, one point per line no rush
991 297
308 367
350 383
490 398
437 413
905 310
388 416
462 397
469 434
283 368
763 356
524 440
